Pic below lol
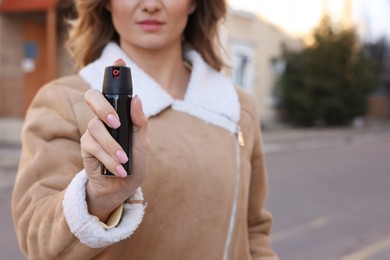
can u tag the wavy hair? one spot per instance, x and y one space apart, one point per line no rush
92 29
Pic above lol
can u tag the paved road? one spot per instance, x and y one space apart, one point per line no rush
332 203
9 157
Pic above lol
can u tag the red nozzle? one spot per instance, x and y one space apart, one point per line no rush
115 73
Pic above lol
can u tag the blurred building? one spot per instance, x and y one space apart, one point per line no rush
255 47
32 34
379 100
31 51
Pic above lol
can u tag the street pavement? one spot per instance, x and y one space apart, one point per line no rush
293 140
319 180
333 202
9 157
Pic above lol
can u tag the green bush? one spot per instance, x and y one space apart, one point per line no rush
329 81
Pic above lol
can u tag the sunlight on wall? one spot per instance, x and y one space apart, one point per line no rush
299 17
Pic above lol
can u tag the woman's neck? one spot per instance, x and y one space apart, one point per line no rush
165 66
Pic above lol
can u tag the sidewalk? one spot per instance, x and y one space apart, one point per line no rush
277 141
289 140
10 131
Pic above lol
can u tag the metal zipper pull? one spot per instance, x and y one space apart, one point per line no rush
240 137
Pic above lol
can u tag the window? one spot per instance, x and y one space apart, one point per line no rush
243 55
278 67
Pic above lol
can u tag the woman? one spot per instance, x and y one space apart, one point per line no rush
202 175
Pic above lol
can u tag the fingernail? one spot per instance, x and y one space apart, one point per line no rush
119 62
121 155
113 121
121 171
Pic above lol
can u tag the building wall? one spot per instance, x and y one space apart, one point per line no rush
11 77
66 65
263 41
13 80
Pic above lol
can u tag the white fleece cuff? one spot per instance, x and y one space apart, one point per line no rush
86 227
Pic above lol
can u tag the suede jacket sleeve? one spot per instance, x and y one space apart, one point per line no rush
259 219
48 203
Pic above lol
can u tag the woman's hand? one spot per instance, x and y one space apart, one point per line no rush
104 193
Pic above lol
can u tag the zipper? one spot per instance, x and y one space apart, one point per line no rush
239 141
240 137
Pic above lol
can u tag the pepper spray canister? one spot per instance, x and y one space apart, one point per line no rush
118 90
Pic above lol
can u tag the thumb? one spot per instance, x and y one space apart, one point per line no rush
138 116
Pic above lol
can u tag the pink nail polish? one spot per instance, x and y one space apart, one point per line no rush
122 157
121 171
113 121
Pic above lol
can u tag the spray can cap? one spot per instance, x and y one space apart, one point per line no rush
117 81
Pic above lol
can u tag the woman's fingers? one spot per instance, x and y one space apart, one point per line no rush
140 140
138 116
119 62
102 108
99 132
140 123
93 149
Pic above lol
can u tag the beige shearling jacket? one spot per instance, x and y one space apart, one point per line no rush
204 193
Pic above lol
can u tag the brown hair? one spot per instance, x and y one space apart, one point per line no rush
93 29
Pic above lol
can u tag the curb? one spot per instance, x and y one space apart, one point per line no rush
293 140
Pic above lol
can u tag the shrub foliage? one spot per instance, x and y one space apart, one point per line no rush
329 81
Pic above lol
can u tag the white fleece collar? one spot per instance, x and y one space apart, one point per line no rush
210 95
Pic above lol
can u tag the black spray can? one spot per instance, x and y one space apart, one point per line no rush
118 90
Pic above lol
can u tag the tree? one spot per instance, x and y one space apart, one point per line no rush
329 81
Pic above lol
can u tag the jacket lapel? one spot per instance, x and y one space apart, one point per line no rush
210 95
